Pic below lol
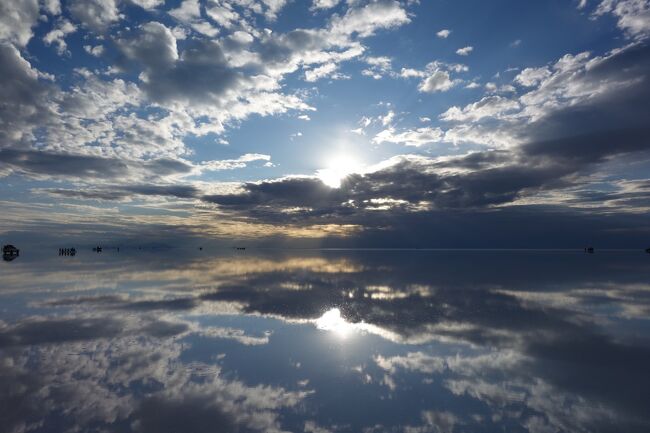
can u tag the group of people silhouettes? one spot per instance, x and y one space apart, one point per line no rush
67 251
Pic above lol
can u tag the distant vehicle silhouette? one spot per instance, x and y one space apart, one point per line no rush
67 251
589 250
647 250
97 249
9 252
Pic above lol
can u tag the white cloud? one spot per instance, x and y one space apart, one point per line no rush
148 4
413 361
438 81
464 51
241 37
95 15
366 20
96 51
410 73
58 34
441 421
154 45
379 66
415 137
52 7
17 19
25 99
490 106
388 118
223 13
324 4
312 427
436 76
323 71
273 7
530 77
189 13
231 164
633 15
444 33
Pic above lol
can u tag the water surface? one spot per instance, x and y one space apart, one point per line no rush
325 341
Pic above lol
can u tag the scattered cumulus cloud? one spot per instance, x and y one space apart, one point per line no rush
438 81
465 51
57 36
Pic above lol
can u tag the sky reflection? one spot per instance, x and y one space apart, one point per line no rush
344 341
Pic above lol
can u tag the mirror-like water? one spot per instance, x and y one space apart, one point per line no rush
325 341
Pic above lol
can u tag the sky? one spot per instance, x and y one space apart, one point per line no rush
357 123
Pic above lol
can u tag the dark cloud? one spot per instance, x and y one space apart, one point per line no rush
71 166
93 194
180 191
120 192
97 15
197 414
200 76
178 304
58 331
412 181
290 192
166 166
54 164
164 329
66 330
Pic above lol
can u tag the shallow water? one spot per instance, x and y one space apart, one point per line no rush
325 341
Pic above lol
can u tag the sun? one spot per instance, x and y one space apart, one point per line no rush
338 167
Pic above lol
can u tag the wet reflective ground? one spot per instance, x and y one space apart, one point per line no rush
325 341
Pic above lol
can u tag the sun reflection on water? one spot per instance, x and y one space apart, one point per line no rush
332 321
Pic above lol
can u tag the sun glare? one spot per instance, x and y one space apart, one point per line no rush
332 321
338 168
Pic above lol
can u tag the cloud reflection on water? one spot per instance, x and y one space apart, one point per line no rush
447 342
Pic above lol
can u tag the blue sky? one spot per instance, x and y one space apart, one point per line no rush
326 119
